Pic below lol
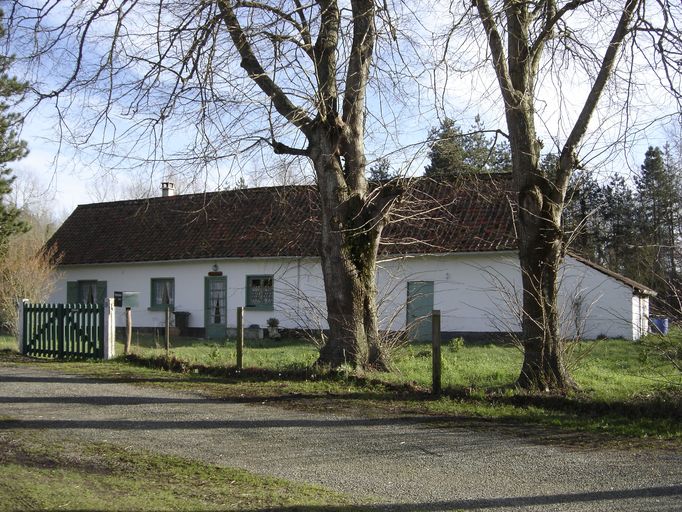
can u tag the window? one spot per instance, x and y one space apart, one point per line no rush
86 291
163 293
259 294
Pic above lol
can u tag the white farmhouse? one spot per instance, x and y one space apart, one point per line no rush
451 247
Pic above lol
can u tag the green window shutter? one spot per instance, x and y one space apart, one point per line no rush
101 292
71 292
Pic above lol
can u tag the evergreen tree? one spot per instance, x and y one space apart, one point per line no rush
453 152
11 147
381 171
658 200
583 217
619 220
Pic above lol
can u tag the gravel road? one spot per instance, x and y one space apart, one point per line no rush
404 463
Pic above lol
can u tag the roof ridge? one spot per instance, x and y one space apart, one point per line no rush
142 200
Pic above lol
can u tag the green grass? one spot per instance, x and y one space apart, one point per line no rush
38 474
478 366
274 355
627 389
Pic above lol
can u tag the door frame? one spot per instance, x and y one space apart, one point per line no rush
419 325
213 330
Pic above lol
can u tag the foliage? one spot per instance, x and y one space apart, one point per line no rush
381 171
633 230
454 152
25 273
11 147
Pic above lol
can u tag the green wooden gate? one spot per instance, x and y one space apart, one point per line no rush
63 330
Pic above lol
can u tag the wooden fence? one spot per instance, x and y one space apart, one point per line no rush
76 331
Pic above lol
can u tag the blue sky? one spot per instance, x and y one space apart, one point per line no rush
68 177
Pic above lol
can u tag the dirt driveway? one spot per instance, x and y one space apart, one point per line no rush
405 463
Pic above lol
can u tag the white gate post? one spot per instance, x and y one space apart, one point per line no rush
109 329
20 324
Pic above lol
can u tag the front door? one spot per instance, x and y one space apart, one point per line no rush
215 307
419 308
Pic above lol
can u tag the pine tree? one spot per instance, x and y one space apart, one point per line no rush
658 199
454 152
381 171
11 147
620 228
583 217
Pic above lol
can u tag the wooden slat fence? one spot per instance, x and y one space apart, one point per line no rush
64 331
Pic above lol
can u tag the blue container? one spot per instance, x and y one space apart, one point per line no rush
660 325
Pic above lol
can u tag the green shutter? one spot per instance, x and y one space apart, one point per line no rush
72 292
101 292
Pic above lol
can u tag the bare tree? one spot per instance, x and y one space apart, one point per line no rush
290 75
26 272
532 46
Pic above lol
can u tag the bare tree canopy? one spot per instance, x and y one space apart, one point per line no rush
189 84
536 49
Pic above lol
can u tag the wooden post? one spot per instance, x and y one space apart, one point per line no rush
240 338
21 326
167 337
129 330
109 329
435 343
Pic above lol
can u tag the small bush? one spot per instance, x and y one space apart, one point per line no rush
456 344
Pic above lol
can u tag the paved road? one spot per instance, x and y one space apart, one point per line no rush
404 463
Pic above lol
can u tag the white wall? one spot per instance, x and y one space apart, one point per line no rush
474 292
290 275
597 304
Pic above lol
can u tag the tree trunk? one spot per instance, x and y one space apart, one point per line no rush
349 245
540 257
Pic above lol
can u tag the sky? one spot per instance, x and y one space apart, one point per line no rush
63 177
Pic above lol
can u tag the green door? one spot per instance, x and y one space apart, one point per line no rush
419 308
215 307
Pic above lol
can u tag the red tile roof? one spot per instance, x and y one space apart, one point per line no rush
470 215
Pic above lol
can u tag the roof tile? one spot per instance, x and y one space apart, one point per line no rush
470 214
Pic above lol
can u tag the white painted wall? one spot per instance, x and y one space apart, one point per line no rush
290 275
475 292
597 304
468 290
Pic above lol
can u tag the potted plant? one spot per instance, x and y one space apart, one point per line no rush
273 324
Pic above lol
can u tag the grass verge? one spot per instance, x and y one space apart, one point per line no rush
627 395
37 474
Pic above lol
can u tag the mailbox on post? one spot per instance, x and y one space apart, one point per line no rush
126 299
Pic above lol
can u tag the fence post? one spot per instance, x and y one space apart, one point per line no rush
109 338
240 337
129 331
167 338
21 323
435 342
61 334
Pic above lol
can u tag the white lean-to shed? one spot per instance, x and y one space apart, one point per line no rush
207 254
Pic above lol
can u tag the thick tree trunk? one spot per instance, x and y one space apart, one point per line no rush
350 234
540 256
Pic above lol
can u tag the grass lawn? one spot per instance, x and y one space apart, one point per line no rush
39 474
626 391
